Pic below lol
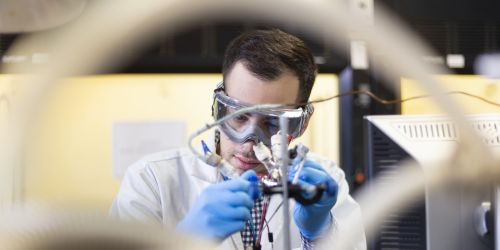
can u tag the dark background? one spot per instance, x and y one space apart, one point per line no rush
467 27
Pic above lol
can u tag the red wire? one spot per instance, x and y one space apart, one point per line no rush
262 219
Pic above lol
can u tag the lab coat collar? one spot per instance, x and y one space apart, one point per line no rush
203 171
200 169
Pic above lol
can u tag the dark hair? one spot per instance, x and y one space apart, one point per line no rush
270 53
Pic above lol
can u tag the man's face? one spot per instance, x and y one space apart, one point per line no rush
244 86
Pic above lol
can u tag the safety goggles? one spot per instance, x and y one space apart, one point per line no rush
256 126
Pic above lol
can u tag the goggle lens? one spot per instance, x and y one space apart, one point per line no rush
244 126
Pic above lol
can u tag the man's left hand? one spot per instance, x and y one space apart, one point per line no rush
313 220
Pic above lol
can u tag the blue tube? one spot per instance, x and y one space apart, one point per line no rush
254 191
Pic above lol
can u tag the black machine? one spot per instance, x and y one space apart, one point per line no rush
452 217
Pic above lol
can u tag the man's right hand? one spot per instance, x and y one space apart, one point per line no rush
221 210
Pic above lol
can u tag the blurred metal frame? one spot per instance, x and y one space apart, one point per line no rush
94 42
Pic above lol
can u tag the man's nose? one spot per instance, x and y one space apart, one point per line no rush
248 145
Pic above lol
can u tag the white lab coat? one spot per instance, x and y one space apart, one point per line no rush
164 186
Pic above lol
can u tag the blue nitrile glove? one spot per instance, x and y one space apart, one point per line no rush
221 210
313 220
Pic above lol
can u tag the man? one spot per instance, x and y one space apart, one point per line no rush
179 190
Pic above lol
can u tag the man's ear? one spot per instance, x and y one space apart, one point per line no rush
217 141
